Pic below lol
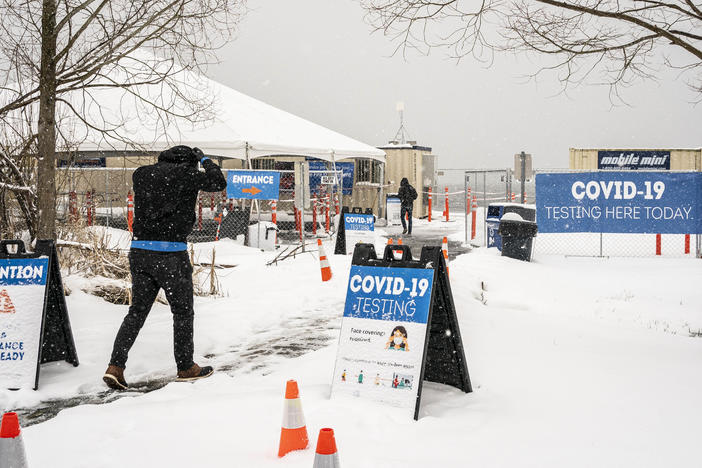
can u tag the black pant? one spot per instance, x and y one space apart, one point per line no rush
406 210
152 271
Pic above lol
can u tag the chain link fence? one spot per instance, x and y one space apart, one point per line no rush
306 208
485 186
310 200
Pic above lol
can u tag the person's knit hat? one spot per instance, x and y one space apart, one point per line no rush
180 154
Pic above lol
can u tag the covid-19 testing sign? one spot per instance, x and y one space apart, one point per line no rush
22 291
620 202
383 333
358 228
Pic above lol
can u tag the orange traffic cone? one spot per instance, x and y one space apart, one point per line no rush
293 434
326 455
444 250
12 453
324 262
390 241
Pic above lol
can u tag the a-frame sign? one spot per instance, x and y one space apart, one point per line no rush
399 328
34 323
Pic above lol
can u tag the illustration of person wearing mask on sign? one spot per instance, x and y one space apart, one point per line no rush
398 339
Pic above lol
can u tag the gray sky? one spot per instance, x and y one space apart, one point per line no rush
317 59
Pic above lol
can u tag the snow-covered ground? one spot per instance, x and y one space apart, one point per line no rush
574 362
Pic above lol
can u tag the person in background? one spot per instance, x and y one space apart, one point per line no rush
165 194
407 195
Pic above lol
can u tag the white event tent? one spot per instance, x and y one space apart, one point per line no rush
236 125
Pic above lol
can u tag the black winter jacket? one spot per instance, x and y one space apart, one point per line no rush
407 193
165 194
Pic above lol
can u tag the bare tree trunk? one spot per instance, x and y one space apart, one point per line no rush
46 181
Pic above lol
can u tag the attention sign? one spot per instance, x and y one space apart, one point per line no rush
253 185
22 283
34 325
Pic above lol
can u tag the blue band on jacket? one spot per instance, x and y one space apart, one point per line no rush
159 246
204 158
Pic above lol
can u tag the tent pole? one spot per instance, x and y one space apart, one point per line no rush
335 187
258 207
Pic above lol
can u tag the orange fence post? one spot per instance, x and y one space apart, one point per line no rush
130 211
219 225
429 217
687 244
199 213
446 209
474 211
274 217
658 244
314 216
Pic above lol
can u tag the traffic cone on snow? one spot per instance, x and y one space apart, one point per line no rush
444 250
11 446
326 455
324 262
293 435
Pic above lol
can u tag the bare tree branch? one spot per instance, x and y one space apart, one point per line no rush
615 41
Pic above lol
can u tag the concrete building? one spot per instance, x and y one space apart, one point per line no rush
417 164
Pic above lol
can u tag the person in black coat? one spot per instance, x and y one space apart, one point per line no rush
165 195
407 195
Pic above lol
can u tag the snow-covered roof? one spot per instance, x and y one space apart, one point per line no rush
234 121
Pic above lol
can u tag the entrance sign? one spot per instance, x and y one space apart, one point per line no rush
399 328
620 202
633 160
34 325
253 185
358 228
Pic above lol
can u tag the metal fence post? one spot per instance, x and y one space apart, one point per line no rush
466 198
302 205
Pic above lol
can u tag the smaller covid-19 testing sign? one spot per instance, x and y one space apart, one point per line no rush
253 185
22 291
383 334
358 228
620 202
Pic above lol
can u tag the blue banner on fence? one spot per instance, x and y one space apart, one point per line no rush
253 185
21 271
344 171
620 202
392 294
